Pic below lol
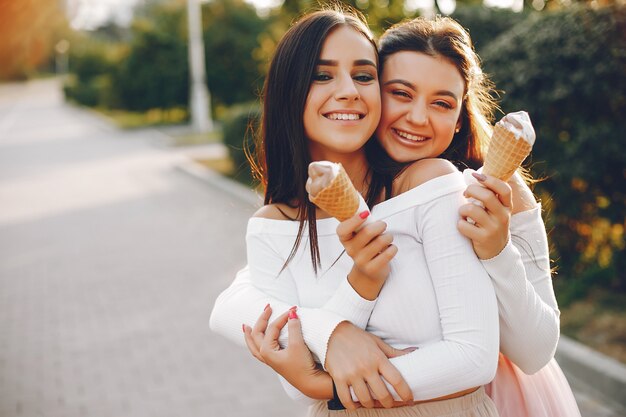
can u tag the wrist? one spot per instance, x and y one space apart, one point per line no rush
320 386
487 255
364 285
335 404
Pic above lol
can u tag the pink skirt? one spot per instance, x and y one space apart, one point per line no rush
544 394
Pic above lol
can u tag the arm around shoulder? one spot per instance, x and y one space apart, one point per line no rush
422 171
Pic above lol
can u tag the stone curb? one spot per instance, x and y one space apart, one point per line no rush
606 375
603 373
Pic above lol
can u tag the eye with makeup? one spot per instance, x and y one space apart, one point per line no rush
443 104
403 94
322 76
364 77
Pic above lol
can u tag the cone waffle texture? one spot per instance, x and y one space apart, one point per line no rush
339 199
505 153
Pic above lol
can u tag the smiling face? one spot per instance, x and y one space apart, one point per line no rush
343 104
421 99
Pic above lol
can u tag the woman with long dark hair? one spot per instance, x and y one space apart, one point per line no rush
471 126
330 118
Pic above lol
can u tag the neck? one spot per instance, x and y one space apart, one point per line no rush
356 167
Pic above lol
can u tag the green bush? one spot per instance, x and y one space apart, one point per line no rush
91 66
155 72
90 63
567 70
240 127
92 92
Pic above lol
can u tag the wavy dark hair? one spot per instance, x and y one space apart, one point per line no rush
282 154
444 37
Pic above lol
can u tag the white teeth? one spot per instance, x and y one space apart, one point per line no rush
343 116
408 136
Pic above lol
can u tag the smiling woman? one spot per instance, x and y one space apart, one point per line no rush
343 104
420 112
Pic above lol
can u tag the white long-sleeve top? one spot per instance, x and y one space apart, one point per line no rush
526 301
529 314
438 297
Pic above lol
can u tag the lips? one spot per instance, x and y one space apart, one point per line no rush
409 136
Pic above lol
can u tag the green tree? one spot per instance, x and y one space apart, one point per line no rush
566 68
29 30
231 35
155 72
485 24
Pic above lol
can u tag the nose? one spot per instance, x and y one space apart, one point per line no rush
346 89
417 114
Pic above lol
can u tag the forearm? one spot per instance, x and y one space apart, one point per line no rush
529 314
242 303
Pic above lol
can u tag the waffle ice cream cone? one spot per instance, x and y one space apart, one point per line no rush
330 189
512 140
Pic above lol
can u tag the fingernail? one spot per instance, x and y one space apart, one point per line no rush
293 307
410 349
479 177
243 328
266 307
292 314
364 214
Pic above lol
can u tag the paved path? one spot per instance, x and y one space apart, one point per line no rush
110 260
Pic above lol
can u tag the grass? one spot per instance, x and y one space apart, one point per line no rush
599 321
226 167
193 139
155 117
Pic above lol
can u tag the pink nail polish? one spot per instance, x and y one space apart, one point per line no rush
364 214
479 177
292 314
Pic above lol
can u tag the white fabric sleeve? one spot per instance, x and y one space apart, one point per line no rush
529 315
467 355
242 303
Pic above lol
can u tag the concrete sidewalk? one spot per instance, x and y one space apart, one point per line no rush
110 260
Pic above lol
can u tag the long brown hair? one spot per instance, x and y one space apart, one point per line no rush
444 37
282 152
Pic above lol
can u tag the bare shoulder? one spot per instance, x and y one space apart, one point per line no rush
275 212
423 171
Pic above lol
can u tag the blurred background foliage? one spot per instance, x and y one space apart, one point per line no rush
561 60
28 29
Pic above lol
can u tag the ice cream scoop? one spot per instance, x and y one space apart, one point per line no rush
512 140
330 189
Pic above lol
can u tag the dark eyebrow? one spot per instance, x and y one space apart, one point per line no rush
447 93
403 82
412 86
333 63
361 62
